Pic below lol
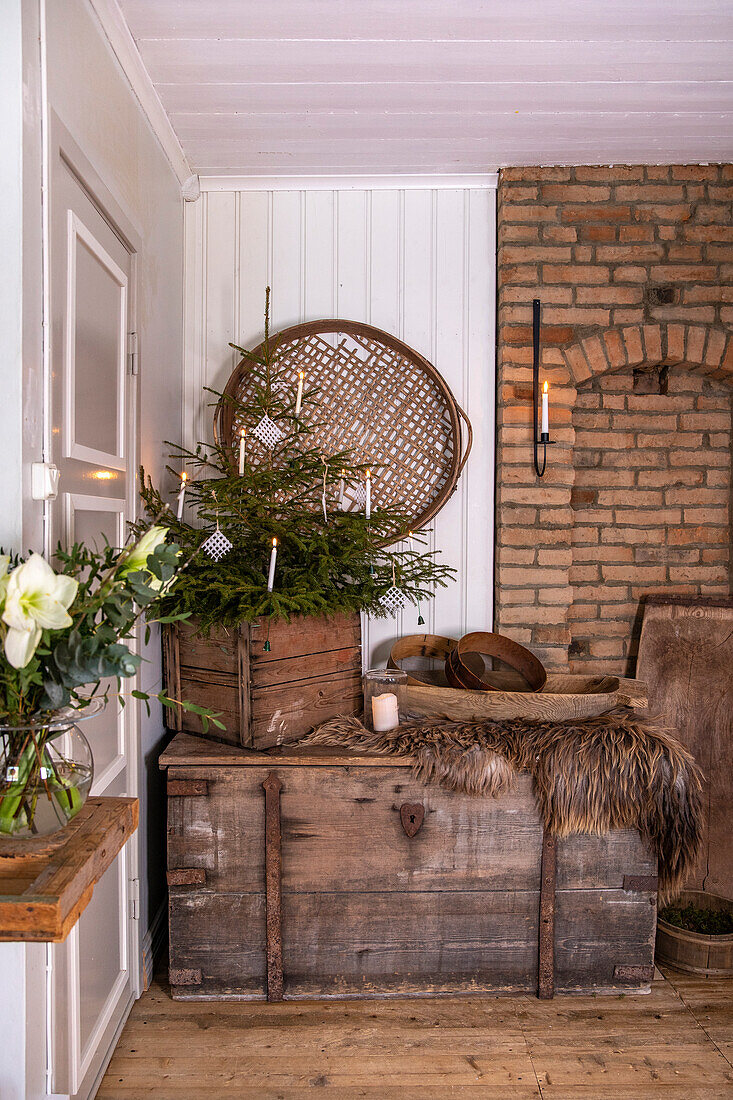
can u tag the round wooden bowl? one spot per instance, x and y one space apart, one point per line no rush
460 673
693 952
427 647
564 697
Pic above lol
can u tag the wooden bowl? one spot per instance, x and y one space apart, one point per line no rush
563 697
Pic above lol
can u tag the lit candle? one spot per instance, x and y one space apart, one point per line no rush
545 412
385 712
342 489
242 445
299 398
182 494
273 559
368 502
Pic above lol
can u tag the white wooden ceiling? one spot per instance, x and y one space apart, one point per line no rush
300 87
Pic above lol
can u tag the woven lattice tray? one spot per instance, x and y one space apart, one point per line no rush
380 400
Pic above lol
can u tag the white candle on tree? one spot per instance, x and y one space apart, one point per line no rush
342 488
242 447
545 429
182 494
299 398
273 559
385 712
368 500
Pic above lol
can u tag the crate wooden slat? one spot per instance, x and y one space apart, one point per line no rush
46 884
264 698
368 910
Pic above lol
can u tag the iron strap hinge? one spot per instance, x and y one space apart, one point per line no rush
132 352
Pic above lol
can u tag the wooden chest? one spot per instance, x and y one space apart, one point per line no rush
311 672
294 874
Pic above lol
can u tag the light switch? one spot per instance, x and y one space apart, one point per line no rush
44 481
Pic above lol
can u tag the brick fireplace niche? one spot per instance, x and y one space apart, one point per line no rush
634 268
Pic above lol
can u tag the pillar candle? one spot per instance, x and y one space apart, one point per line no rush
385 712
299 398
545 429
273 559
182 494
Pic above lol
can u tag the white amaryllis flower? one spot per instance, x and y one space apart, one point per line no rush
36 599
141 551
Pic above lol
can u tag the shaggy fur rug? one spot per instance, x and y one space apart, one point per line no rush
590 776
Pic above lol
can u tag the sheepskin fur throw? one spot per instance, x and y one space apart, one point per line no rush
592 775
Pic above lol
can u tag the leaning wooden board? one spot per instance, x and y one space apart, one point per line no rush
686 656
311 672
368 910
46 884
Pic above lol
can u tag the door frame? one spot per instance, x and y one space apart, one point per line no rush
66 1061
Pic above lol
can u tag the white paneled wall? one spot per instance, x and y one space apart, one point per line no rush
419 263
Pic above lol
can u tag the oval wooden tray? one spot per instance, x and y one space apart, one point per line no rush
564 696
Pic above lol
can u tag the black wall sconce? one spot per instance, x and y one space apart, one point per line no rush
540 420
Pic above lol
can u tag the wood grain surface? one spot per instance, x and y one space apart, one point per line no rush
368 910
46 884
675 1043
686 655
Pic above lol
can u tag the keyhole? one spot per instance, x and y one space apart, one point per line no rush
412 819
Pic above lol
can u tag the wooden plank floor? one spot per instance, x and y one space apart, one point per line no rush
675 1044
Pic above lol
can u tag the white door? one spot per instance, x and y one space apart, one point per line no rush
93 430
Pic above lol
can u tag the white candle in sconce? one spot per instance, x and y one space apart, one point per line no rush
273 560
182 494
242 448
545 429
299 398
385 712
368 500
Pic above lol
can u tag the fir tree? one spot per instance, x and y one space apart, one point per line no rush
329 560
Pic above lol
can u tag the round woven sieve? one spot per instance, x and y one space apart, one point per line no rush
379 399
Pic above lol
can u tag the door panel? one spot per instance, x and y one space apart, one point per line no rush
93 417
96 337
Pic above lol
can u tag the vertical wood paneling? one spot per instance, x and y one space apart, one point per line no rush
418 263
221 262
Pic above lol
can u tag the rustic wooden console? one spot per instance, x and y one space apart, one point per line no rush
321 873
46 884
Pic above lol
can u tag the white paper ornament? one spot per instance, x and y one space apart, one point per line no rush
357 493
267 432
216 545
393 600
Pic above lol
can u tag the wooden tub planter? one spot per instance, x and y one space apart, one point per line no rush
317 872
710 956
311 672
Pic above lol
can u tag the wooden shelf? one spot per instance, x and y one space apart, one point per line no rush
46 884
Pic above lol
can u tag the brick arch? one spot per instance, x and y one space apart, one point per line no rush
708 347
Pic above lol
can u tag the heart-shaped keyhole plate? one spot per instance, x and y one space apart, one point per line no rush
412 815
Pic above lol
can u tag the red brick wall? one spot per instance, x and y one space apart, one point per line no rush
634 268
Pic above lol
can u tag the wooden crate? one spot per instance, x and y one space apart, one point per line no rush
360 908
312 672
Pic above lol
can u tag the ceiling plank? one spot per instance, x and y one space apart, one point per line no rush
426 20
240 61
642 95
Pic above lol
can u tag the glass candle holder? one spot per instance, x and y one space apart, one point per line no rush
385 698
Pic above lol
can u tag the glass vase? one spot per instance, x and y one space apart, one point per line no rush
385 696
46 771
